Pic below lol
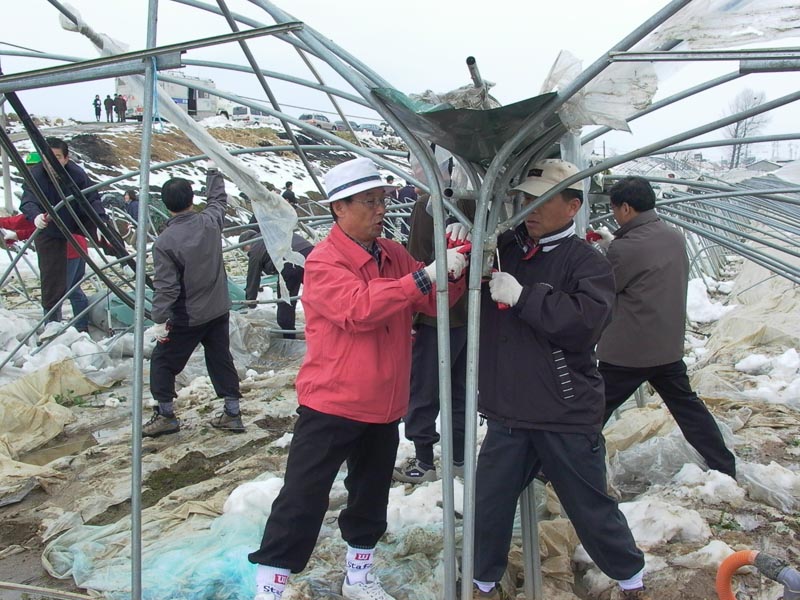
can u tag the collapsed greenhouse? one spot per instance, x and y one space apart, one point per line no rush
111 515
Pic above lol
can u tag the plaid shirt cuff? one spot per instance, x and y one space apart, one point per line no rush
423 281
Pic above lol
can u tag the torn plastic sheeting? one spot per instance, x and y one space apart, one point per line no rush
637 425
656 460
475 135
278 216
714 24
772 484
273 225
187 550
29 413
619 92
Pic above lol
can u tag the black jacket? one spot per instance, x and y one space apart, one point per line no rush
259 261
30 207
537 363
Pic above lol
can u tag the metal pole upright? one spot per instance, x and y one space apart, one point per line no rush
138 323
5 161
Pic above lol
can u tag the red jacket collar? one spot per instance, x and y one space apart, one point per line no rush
353 251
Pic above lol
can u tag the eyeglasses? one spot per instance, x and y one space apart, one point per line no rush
373 203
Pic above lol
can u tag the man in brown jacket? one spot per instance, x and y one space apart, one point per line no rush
423 405
645 339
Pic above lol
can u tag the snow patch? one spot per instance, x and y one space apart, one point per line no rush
698 305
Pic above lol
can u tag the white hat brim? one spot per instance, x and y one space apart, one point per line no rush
359 187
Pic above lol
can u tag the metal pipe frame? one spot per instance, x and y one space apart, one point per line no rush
705 55
117 63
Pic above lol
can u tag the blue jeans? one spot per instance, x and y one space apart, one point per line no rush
76 267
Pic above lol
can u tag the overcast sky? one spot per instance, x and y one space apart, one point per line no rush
414 44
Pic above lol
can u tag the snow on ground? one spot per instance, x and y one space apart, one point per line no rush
775 379
698 305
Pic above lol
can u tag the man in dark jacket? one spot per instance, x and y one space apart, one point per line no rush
121 106
108 104
51 245
540 390
259 261
288 194
645 339
191 303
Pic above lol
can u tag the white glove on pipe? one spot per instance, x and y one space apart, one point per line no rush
504 288
456 263
41 221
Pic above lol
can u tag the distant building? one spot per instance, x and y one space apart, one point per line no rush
765 166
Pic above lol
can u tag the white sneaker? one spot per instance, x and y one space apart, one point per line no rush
369 590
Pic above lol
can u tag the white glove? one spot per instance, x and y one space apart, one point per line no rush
158 332
607 236
41 221
457 232
8 234
504 288
456 263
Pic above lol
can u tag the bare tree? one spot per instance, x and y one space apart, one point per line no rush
745 100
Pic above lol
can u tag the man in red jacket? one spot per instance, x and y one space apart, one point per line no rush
360 294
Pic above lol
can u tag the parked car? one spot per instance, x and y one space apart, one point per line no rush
373 129
320 121
342 126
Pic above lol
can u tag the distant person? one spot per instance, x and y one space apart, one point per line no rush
191 303
259 261
98 107
645 339
393 193
288 193
108 103
51 245
407 193
131 203
121 106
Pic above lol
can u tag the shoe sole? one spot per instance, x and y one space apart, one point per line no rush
228 429
160 433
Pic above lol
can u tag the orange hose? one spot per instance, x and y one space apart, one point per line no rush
727 569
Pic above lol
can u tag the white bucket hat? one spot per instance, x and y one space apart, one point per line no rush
352 177
546 174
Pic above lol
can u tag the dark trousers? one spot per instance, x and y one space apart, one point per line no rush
76 268
169 359
672 384
293 276
51 253
575 464
423 406
320 445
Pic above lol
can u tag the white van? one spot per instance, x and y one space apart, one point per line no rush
245 113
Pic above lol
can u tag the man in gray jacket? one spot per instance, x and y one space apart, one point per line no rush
645 339
191 303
